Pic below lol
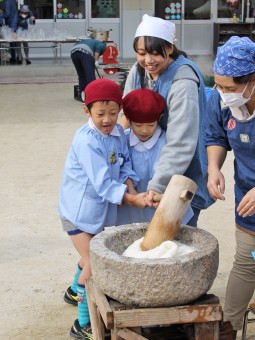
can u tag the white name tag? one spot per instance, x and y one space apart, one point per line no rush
223 105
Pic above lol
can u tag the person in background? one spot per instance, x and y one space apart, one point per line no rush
97 177
161 67
230 125
11 20
143 108
1 18
85 55
25 18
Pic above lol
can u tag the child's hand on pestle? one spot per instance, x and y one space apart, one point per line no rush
149 198
135 200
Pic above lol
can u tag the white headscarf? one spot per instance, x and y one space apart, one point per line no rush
156 27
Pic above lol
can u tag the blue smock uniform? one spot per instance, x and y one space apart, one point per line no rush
224 130
95 170
197 169
144 157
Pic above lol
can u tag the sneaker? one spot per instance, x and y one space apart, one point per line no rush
79 332
28 61
71 297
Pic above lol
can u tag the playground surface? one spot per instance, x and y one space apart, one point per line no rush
37 260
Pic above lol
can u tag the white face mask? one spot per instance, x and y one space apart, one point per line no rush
235 99
24 15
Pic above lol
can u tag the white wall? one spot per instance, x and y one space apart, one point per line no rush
131 17
197 38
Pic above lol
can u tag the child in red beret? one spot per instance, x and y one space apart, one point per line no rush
98 176
143 108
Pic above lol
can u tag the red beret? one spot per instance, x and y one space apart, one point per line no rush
143 106
102 89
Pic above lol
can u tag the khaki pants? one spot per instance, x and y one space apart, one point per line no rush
241 282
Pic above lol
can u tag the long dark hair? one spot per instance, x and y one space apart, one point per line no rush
152 45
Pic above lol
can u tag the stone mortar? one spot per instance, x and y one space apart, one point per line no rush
153 282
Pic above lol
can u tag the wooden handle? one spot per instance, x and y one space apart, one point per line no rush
170 211
186 195
157 197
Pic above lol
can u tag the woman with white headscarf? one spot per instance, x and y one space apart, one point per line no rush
163 68
230 125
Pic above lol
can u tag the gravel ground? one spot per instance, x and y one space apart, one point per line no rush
37 260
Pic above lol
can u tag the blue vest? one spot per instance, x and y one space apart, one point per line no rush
197 170
225 130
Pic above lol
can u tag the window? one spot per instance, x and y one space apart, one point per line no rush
105 9
71 9
42 9
251 10
197 9
227 9
169 10
193 10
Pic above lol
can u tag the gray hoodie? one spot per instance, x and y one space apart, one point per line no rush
182 125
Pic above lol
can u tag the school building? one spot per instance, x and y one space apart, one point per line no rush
201 25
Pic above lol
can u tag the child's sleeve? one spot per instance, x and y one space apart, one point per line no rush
31 21
94 164
126 170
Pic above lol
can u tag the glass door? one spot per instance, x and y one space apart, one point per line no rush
192 19
74 17
70 17
105 9
58 18
239 10
104 16
55 9
42 9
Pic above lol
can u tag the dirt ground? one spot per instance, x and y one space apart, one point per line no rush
37 260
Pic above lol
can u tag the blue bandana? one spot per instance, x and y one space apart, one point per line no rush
235 58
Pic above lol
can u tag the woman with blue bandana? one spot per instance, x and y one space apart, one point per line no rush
230 125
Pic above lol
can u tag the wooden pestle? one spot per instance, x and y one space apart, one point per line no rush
172 208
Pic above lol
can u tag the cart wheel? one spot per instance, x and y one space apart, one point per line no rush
82 96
